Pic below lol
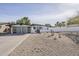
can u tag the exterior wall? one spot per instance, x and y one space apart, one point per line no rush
16 29
66 29
20 29
45 29
74 25
32 30
24 29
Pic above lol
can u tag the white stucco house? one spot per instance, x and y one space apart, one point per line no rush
23 29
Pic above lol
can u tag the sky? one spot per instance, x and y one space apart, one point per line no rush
38 13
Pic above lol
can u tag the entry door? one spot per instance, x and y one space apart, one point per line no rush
29 30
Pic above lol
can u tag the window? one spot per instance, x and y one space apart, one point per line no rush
34 27
40 27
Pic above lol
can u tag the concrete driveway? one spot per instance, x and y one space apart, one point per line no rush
8 43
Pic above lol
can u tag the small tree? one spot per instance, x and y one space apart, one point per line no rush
23 21
48 25
63 23
58 24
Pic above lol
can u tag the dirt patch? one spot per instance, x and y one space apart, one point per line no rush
42 45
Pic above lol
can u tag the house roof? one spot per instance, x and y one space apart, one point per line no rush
37 25
28 25
20 25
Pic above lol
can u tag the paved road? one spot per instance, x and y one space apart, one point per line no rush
8 43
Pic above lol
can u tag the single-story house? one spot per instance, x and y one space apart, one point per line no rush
22 29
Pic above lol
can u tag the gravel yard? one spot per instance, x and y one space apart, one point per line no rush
46 45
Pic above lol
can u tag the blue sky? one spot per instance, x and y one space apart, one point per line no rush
38 13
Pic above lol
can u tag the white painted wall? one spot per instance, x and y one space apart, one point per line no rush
23 29
62 29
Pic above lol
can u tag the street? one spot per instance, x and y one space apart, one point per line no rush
8 43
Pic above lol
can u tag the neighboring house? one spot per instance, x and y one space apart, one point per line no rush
4 28
22 29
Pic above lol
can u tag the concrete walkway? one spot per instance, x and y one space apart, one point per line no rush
8 43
